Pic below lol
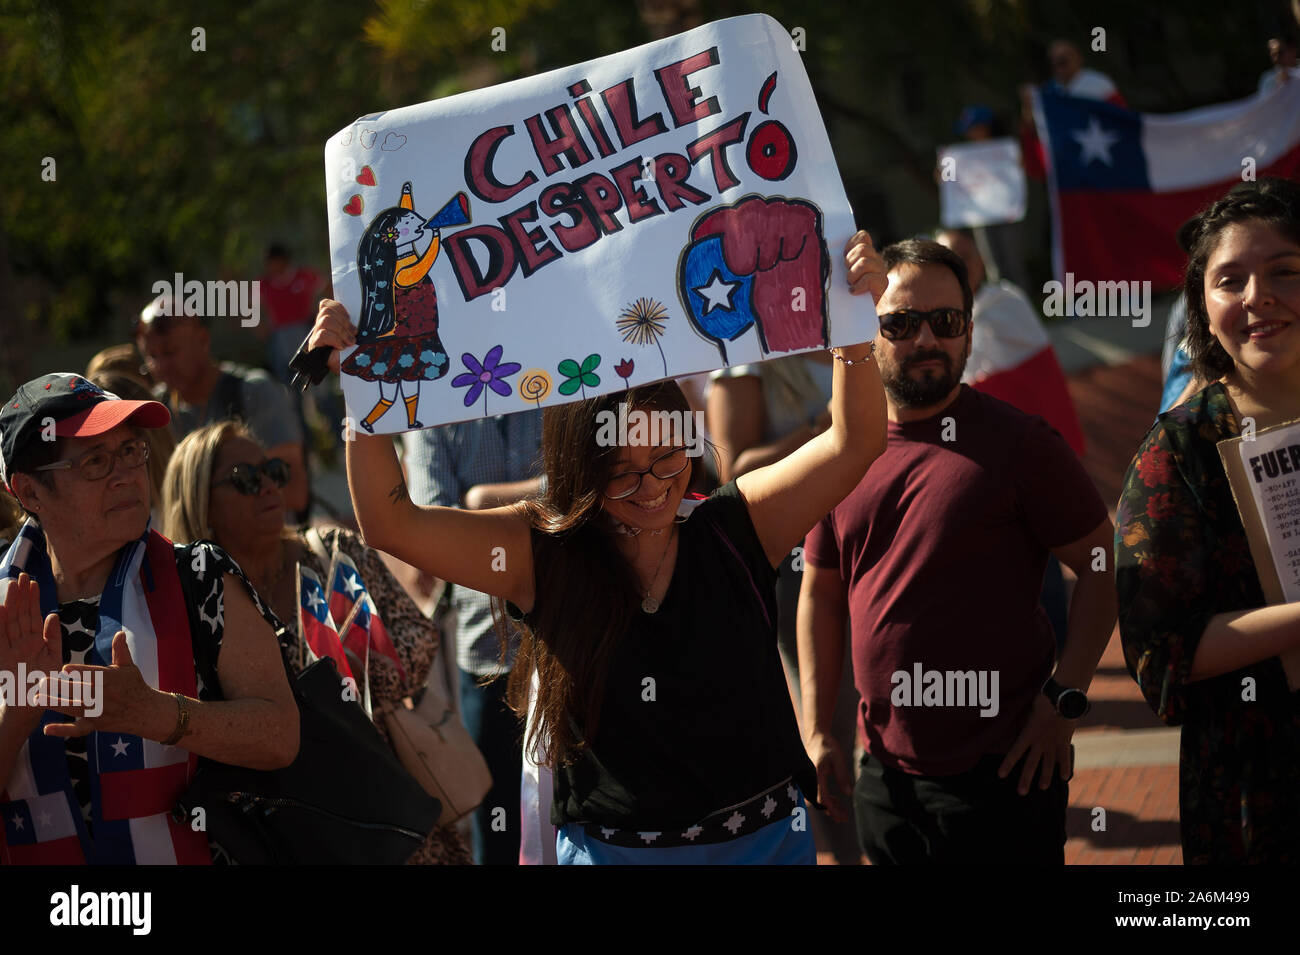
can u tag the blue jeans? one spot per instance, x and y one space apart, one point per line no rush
496 730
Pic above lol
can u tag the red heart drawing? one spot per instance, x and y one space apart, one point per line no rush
367 177
354 206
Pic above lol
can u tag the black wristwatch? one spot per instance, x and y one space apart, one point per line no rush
1069 702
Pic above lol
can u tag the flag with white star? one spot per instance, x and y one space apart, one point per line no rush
1122 182
318 630
366 630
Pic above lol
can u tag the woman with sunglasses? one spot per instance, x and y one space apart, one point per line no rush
1207 653
220 486
661 702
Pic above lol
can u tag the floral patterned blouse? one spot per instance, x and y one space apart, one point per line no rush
1181 557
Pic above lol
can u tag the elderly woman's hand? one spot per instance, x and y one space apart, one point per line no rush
26 640
113 699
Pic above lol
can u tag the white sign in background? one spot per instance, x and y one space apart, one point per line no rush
981 183
647 215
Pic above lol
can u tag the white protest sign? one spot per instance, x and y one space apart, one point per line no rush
651 214
981 183
1272 462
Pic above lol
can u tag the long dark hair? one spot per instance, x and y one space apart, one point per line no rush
379 242
1274 202
586 591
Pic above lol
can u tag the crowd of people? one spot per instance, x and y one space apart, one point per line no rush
664 658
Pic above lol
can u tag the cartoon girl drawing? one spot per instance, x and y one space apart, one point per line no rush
397 338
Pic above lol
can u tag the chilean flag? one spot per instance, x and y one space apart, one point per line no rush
366 629
1121 183
1012 358
318 630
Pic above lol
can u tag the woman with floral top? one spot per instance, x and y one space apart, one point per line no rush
1205 650
220 486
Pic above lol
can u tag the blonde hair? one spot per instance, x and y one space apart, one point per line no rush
187 485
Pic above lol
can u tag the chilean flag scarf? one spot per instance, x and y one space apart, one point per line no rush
134 782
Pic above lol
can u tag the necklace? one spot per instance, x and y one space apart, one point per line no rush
648 603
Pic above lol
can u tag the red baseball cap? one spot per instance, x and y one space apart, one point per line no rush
78 408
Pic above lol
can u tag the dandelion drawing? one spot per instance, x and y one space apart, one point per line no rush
490 373
642 323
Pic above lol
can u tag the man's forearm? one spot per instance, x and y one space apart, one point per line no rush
821 660
1093 611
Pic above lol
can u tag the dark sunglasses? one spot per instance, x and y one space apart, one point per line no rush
247 478
905 323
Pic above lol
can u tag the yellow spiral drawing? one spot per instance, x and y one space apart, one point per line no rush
535 385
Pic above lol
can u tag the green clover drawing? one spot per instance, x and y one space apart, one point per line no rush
576 377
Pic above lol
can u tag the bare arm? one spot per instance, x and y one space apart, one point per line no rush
489 551
787 498
1093 607
764 454
822 616
456 545
482 496
1235 640
735 414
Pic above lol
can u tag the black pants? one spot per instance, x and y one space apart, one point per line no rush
973 818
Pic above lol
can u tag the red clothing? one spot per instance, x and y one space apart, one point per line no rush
943 545
291 301
1037 386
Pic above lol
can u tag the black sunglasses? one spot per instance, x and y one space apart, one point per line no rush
905 323
247 478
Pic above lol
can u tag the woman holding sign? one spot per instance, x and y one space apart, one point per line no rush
650 620
1206 651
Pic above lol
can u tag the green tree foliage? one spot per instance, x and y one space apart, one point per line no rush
171 158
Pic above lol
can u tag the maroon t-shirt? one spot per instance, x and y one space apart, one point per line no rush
943 546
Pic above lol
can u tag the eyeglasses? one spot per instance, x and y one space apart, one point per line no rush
98 464
905 323
247 478
626 483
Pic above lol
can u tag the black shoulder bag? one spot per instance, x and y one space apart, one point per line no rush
345 799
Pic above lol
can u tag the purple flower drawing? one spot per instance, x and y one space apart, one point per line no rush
490 373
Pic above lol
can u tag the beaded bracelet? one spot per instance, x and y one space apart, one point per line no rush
871 351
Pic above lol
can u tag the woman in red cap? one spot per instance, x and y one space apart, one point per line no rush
92 762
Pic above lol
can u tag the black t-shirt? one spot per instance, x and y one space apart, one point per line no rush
717 725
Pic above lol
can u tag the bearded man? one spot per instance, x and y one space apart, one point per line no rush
936 559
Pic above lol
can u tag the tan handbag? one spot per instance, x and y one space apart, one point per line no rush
431 743
442 758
